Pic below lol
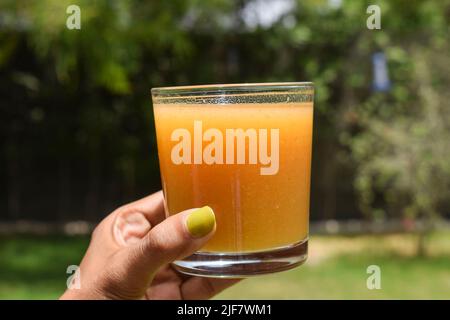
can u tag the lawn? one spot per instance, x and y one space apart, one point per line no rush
33 267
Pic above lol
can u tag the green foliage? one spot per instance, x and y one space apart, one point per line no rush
401 145
83 96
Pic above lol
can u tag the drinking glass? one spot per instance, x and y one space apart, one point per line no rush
245 151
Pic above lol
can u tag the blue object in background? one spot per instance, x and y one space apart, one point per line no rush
381 82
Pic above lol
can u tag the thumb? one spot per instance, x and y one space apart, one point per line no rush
175 238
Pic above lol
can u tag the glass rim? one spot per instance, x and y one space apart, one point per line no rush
232 88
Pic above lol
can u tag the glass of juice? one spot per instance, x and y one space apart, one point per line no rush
245 151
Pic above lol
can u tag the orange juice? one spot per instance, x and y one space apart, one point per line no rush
254 211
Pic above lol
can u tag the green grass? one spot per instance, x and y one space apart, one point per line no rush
35 268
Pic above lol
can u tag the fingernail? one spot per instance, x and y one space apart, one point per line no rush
201 222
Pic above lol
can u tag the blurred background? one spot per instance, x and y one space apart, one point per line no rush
77 136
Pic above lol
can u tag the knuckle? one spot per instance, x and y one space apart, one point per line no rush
165 247
156 243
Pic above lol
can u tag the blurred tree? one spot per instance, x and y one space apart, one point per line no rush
399 141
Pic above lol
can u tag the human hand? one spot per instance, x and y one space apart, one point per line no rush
131 249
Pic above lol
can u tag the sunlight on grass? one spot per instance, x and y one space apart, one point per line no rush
337 270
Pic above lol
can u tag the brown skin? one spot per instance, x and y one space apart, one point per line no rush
130 253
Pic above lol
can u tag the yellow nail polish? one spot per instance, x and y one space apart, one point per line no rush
201 222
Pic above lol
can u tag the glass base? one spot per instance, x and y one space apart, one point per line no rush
243 265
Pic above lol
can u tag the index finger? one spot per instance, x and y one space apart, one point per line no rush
152 207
